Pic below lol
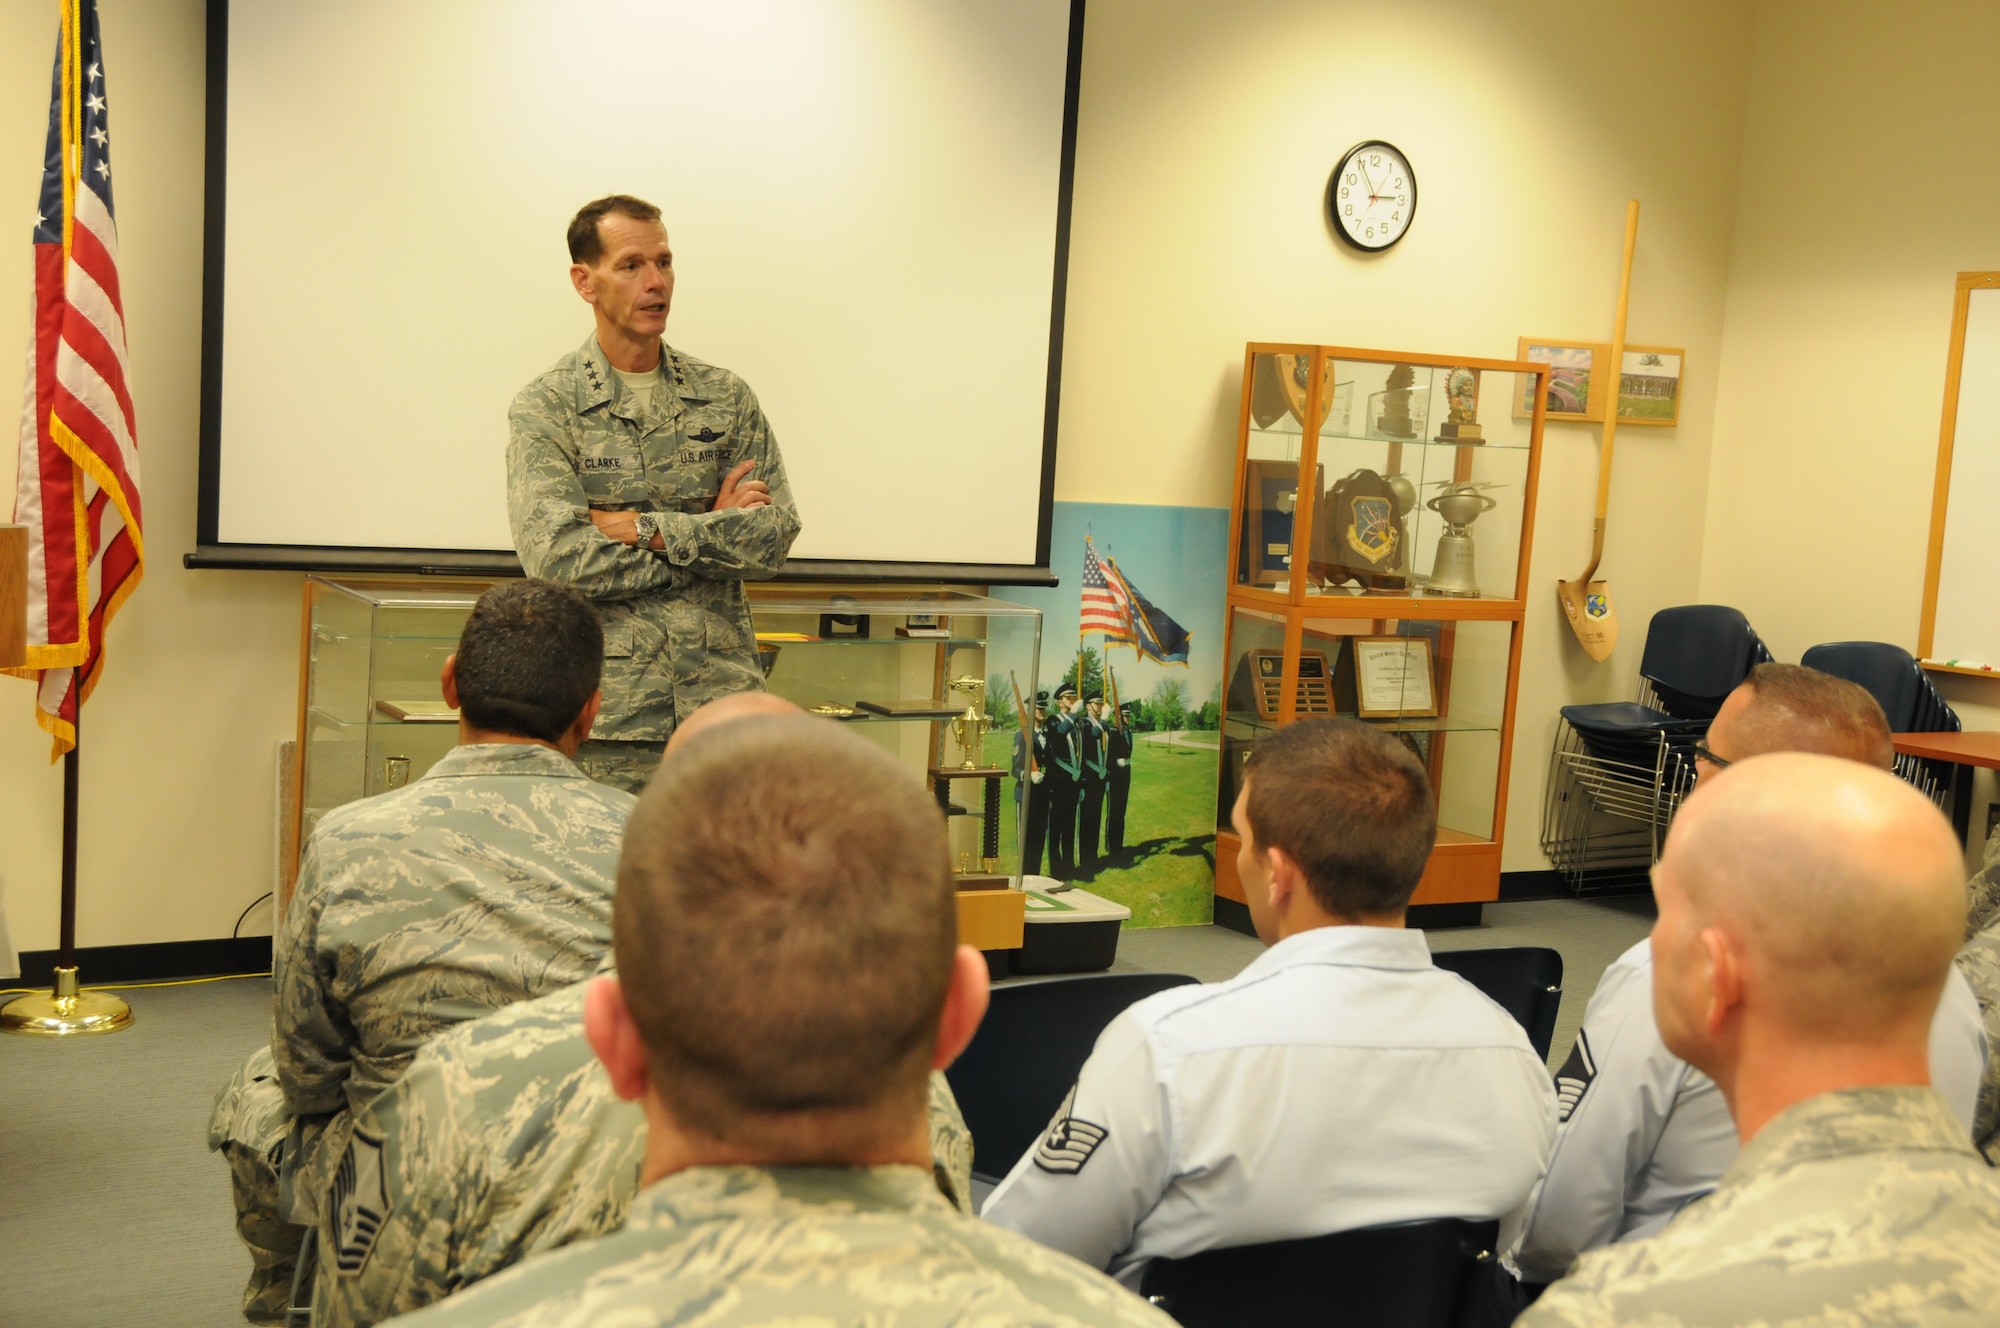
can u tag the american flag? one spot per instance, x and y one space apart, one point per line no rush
78 485
1103 608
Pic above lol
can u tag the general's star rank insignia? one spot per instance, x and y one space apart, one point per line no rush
1069 1141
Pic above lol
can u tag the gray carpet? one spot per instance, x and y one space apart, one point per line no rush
113 1212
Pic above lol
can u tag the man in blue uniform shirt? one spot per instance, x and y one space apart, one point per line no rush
1644 1133
1339 1081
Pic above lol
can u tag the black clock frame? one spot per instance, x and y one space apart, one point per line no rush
1332 198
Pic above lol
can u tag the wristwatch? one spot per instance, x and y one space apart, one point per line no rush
646 525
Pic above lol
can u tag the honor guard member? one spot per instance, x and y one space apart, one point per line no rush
1118 786
487 881
1809 909
1644 1133
1340 1081
781 1070
1979 965
651 482
1065 773
503 1139
1031 784
1091 733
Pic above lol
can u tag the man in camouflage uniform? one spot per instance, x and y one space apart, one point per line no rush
787 1176
1979 962
1809 909
487 881
651 482
502 1140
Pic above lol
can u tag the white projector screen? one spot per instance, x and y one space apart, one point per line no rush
866 200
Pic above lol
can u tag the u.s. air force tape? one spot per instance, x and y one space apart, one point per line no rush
1069 1142
360 1202
1574 1077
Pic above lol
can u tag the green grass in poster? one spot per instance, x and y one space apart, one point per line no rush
1166 873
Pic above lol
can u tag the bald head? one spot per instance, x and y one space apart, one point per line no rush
1787 708
1837 889
737 705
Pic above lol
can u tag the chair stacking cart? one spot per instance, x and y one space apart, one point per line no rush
1892 676
1620 769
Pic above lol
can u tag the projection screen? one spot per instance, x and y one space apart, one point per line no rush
867 201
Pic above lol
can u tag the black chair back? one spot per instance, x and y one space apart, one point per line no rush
1027 1054
1695 656
1524 980
1408 1275
1889 674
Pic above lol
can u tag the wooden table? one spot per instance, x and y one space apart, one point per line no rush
1964 751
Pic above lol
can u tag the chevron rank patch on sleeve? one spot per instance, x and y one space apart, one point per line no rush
1575 1077
360 1202
1069 1142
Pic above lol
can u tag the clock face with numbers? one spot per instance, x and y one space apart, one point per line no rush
1372 196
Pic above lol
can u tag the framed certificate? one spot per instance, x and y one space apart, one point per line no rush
1393 677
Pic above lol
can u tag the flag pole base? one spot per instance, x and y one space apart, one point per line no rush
65 1012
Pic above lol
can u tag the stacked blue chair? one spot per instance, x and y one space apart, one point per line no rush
1891 675
1620 769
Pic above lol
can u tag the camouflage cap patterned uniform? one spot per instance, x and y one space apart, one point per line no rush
1979 961
758 1247
485 882
1860 1208
504 1139
677 630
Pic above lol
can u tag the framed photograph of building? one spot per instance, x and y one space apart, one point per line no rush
1575 377
1649 385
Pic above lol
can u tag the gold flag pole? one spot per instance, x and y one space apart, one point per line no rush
68 1010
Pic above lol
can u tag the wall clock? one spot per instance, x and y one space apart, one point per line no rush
1372 196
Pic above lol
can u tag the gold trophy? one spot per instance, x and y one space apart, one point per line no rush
1461 394
969 730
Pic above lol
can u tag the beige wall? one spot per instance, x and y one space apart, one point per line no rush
202 677
1207 134
1870 178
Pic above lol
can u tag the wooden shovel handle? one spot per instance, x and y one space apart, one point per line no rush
1616 375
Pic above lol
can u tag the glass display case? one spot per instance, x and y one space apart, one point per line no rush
1378 569
931 676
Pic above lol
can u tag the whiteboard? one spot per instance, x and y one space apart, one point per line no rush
1962 620
863 198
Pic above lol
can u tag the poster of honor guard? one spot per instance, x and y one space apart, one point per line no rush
1115 759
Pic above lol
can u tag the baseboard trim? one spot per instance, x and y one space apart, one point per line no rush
1517 886
1437 917
1235 916
162 962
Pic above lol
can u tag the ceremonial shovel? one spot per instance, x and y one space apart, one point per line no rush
1587 603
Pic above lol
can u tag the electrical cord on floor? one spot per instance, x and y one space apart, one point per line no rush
234 931
134 986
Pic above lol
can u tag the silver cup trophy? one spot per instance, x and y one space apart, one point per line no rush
1452 569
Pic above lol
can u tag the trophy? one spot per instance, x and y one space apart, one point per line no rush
1461 394
396 771
1451 570
969 730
